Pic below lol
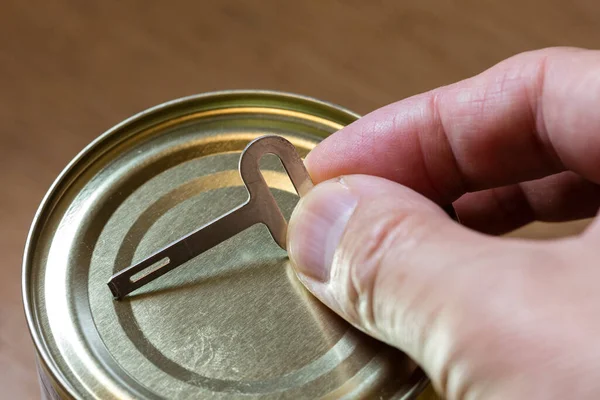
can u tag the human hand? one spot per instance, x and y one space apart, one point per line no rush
486 317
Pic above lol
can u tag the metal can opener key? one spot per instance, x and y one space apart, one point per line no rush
260 207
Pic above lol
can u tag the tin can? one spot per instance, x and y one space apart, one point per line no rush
232 323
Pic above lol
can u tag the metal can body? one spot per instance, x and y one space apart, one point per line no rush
232 323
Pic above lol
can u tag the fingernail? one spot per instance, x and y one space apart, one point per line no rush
316 228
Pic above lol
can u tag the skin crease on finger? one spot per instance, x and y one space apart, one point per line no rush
487 318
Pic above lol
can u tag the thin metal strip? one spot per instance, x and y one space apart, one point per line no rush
260 207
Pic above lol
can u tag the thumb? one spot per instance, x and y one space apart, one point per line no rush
396 266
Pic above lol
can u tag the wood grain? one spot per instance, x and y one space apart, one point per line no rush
71 69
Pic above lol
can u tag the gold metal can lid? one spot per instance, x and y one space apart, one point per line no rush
233 322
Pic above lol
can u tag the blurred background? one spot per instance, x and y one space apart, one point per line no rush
70 70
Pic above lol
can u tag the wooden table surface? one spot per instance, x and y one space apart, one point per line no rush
71 69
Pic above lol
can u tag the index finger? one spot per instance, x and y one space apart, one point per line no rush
530 116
